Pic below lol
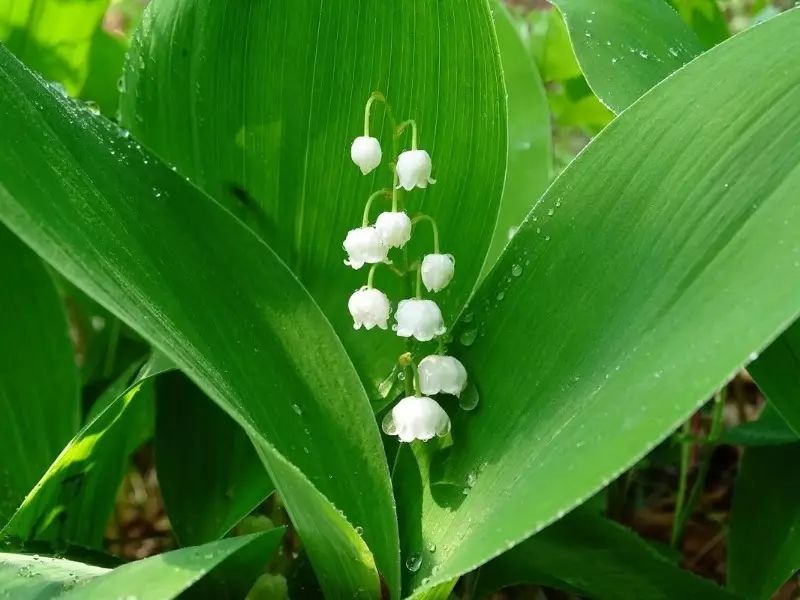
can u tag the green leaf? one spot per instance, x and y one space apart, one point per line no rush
166 576
39 395
204 498
625 47
588 555
529 155
74 500
34 577
52 37
768 430
602 326
258 103
705 18
764 542
135 236
777 373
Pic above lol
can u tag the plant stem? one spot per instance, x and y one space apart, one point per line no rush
371 276
372 98
682 480
402 127
111 349
415 371
435 230
684 510
418 292
365 218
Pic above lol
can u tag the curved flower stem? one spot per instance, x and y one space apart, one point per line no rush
365 219
402 127
435 230
418 292
371 276
368 108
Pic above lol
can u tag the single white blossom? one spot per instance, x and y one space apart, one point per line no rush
442 374
414 169
369 308
417 418
364 245
366 153
437 271
394 228
421 319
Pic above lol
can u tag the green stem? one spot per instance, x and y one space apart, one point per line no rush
418 289
111 349
365 219
371 276
372 98
415 370
395 189
402 128
435 230
682 516
683 477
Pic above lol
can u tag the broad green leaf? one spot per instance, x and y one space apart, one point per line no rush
588 555
74 499
601 328
39 396
529 156
135 236
204 498
625 47
52 37
258 102
705 18
166 576
768 430
34 577
777 373
764 541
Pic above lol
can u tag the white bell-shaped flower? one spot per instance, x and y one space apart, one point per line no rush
366 153
369 308
442 375
364 245
414 169
417 418
394 228
437 271
421 319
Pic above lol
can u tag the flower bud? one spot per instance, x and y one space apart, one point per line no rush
414 169
437 271
369 308
366 153
417 418
421 319
364 245
394 228
442 374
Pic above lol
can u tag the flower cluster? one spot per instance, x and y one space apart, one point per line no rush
417 416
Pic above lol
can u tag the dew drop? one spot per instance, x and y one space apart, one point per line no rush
432 548
388 426
547 238
468 337
643 54
673 52
414 562
360 530
500 296
753 356
516 270
296 408
550 212
444 429
469 398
